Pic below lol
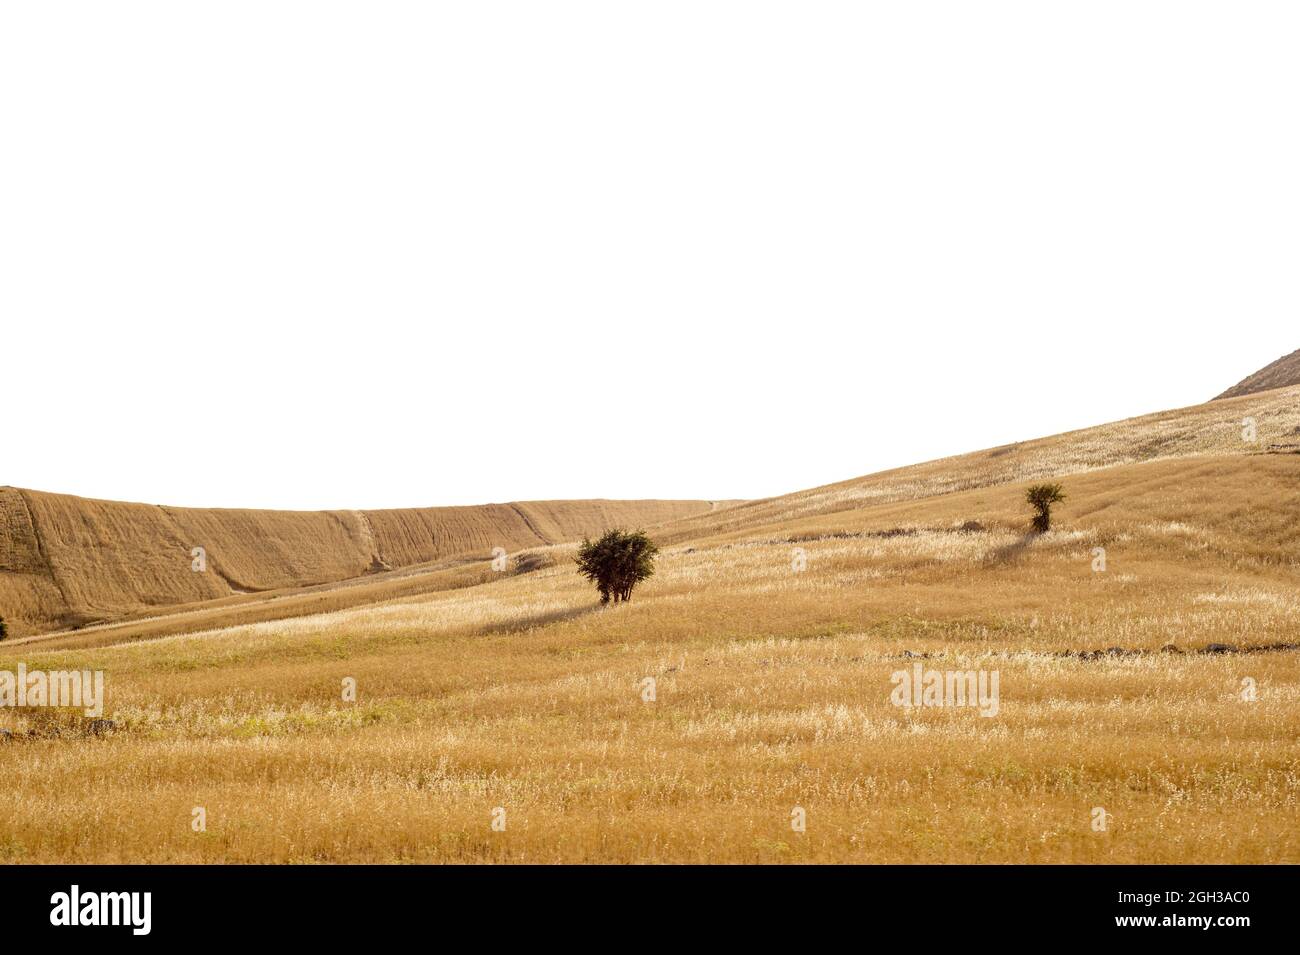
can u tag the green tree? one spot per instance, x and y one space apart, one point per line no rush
617 562
1041 497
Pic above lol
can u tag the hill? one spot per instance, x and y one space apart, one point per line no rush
1282 373
71 561
1146 650
1214 428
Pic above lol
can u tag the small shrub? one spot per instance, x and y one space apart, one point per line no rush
1041 497
527 563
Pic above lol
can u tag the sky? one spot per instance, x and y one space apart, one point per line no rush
357 255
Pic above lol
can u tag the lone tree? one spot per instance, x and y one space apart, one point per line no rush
1041 497
617 562
4 628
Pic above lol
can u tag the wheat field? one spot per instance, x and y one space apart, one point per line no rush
504 716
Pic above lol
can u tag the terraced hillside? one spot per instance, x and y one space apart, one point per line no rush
68 561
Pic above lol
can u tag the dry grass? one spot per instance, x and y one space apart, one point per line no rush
773 691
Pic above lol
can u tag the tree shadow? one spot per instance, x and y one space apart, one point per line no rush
521 624
1010 552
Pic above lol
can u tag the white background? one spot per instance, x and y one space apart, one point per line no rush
381 254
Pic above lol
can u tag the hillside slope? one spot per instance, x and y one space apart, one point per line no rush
67 561
773 689
1282 373
1214 428
1145 652
963 487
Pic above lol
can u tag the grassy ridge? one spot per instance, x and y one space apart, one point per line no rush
68 560
1215 428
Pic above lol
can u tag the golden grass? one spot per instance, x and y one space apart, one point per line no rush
773 692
